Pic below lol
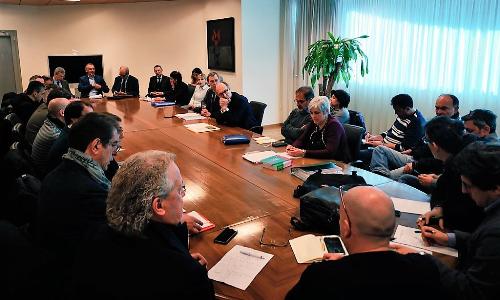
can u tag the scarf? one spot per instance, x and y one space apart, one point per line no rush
94 169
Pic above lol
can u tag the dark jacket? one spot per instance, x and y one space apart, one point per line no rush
478 272
332 142
370 275
164 85
35 122
159 265
71 203
292 127
84 85
64 85
131 85
179 94
240 113
211 101
23 106
460 212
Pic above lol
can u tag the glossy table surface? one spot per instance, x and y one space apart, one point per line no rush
229 190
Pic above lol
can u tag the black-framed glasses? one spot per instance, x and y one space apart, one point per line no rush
274 243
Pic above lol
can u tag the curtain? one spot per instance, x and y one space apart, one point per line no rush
421 48
303 22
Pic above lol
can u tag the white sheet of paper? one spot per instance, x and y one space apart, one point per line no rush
238 269
407 236
201 127
257 156
411 206
264 140
190 116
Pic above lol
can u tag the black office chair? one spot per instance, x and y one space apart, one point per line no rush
356 118
354 135
258 109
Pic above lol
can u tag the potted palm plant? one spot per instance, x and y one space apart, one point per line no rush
330 60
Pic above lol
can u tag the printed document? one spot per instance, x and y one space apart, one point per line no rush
411 206
412 237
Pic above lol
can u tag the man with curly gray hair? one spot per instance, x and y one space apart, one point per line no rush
146 243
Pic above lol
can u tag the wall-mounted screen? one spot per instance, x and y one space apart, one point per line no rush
74 65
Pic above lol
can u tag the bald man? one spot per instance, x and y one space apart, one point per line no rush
371 270
125 84
234 108
48 133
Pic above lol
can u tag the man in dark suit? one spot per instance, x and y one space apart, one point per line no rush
26 103
477 275
367 222
234 108
159 85
92 84
73 195
125 84
144 244
58 79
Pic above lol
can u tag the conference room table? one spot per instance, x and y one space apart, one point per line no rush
230 191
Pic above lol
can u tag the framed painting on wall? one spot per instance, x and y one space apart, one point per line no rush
220 44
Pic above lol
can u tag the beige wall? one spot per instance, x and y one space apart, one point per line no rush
139 35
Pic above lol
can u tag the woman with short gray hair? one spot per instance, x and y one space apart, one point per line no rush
324 136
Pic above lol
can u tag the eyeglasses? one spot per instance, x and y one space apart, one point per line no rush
223 92
273 243
426 140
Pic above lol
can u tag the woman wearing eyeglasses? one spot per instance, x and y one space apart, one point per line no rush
324 137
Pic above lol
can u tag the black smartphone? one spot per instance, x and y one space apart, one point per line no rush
334 245
225 236
279 144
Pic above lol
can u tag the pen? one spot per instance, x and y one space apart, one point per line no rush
252 255
418 231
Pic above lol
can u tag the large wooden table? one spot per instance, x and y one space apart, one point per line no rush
228 190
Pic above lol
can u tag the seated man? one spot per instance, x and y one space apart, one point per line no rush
125 84
73 195
145 245
339 101
38 117
445 138
159 84
482 123
210 103
324 136
394 164
59 81
91 84
48 133
477 275
371 270
72 114
234 108
25 104
298 119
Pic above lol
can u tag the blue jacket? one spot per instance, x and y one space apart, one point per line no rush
84 85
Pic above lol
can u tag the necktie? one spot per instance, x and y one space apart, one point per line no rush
59 84
122 86
158 80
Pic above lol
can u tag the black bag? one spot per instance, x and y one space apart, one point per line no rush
319 211
317 180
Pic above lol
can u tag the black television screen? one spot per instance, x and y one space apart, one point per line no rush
74 65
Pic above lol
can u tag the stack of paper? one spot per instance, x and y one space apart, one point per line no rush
190 116
201 127
412 237
257 156
239 266
264 140
207 225
411 206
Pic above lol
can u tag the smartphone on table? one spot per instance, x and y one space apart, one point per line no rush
334 244
225 236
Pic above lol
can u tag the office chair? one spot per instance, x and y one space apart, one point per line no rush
354 134
356 118
258 109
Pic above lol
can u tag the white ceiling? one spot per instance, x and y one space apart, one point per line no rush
62 2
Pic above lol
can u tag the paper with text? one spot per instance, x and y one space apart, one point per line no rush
408 236
257 156
239 266
411 206
201 127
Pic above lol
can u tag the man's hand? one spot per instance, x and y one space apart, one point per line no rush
193 224
427 179
97 86
223 102
407 152
374 143
332 256
200 259
204 112
432 236
436 212
408 168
